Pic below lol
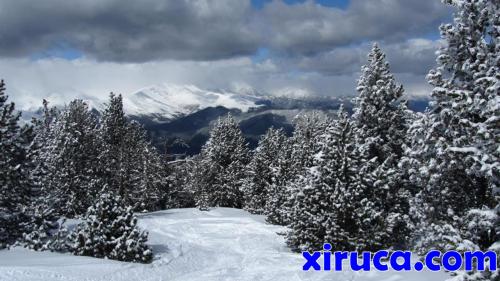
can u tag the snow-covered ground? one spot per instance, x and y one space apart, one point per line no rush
223 244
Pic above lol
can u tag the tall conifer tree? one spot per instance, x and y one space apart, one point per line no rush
15 184
221 166
262 170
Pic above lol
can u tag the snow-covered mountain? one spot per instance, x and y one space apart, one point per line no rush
160 103
169 101
178 117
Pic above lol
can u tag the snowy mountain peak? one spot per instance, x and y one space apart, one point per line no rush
167 101
162 102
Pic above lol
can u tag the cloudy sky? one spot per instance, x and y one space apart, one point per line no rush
66 49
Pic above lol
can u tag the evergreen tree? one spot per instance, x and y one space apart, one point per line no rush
346 171
144 178
379 114
308 130
454 156
202 201
70 172
466 87
43 223
279 193
262 170
381 122
112 134
293 162
309 214
15 184
221 167
130 166
154 178
43 129
110 231
329 207
179 194
40 228
198 182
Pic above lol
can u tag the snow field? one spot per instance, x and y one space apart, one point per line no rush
222 244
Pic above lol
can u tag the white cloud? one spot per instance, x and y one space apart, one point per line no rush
30 81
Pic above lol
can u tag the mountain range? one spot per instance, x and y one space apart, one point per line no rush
178 117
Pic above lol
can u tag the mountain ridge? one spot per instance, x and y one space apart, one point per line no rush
178 117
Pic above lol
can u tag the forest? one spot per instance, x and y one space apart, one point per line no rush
383 177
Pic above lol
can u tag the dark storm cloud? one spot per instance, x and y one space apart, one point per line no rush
149 30
310 46
129 30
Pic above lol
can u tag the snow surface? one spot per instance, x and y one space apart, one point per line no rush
222 244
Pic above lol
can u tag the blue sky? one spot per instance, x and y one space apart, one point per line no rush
60 50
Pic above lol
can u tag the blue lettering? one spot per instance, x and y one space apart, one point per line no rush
311 260
429 260
455 256
339 256
480 258
377 258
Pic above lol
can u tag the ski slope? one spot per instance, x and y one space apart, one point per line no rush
222 244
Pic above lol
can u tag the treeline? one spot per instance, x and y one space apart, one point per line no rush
74 163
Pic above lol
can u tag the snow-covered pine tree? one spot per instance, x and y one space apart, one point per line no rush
467 88
312 204
379 113
222 163
179 194
381 121
461 128
202 201
199 179
328 205
308 130
344 171
454 156
154 179
278 192
112 134
71 173
294 161
144 178
130 166
15 184
43 129
110 231
262 170
43 218
308 216
39 230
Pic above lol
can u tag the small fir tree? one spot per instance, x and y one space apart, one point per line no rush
110 231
